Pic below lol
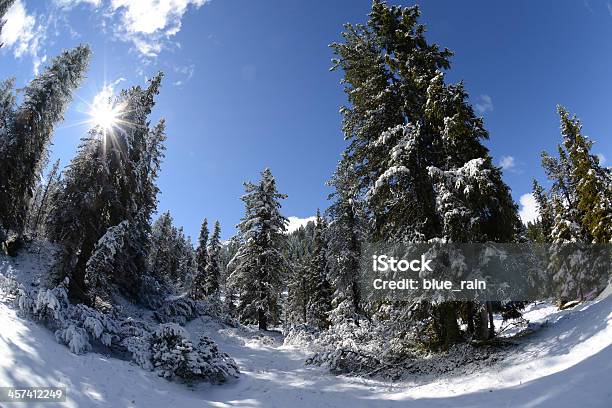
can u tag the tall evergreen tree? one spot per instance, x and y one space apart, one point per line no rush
213 270
317 279
259 266
411 135
27 132
198 290
110 180
577 210
186 259
163 259
345 234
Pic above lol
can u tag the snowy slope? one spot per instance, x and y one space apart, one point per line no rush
567 363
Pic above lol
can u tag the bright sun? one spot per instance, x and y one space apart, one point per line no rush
103 111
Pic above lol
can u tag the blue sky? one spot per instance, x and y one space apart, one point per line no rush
248 85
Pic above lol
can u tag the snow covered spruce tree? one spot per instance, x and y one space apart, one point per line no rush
410 136
319 290
26 131
171 258
298 253
213 270
257 269
198 290
110 180
162 258
345 233
576 211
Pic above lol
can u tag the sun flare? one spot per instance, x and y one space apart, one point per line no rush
103 111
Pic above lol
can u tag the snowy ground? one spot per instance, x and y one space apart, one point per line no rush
567 363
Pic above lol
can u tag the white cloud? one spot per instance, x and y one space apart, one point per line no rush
149 24
602 158
529 208
483 104
507 163
185 73
22 34
72 3
609 8
296 222
103 97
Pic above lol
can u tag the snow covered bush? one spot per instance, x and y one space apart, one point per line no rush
9 287
174 355
100 326
140 349
47 305
76 338
182 309
75 325
166 349
177 310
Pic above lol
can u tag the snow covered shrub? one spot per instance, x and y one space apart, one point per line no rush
9 287
349 348
300 335
49 305
182 309
362 347
76 338
174 355
100 326
177 310
140 349
74 325
211 364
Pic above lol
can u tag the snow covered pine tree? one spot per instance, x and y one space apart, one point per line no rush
25 131
409 133
319 291
198 289
257 269
576 212
213 270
